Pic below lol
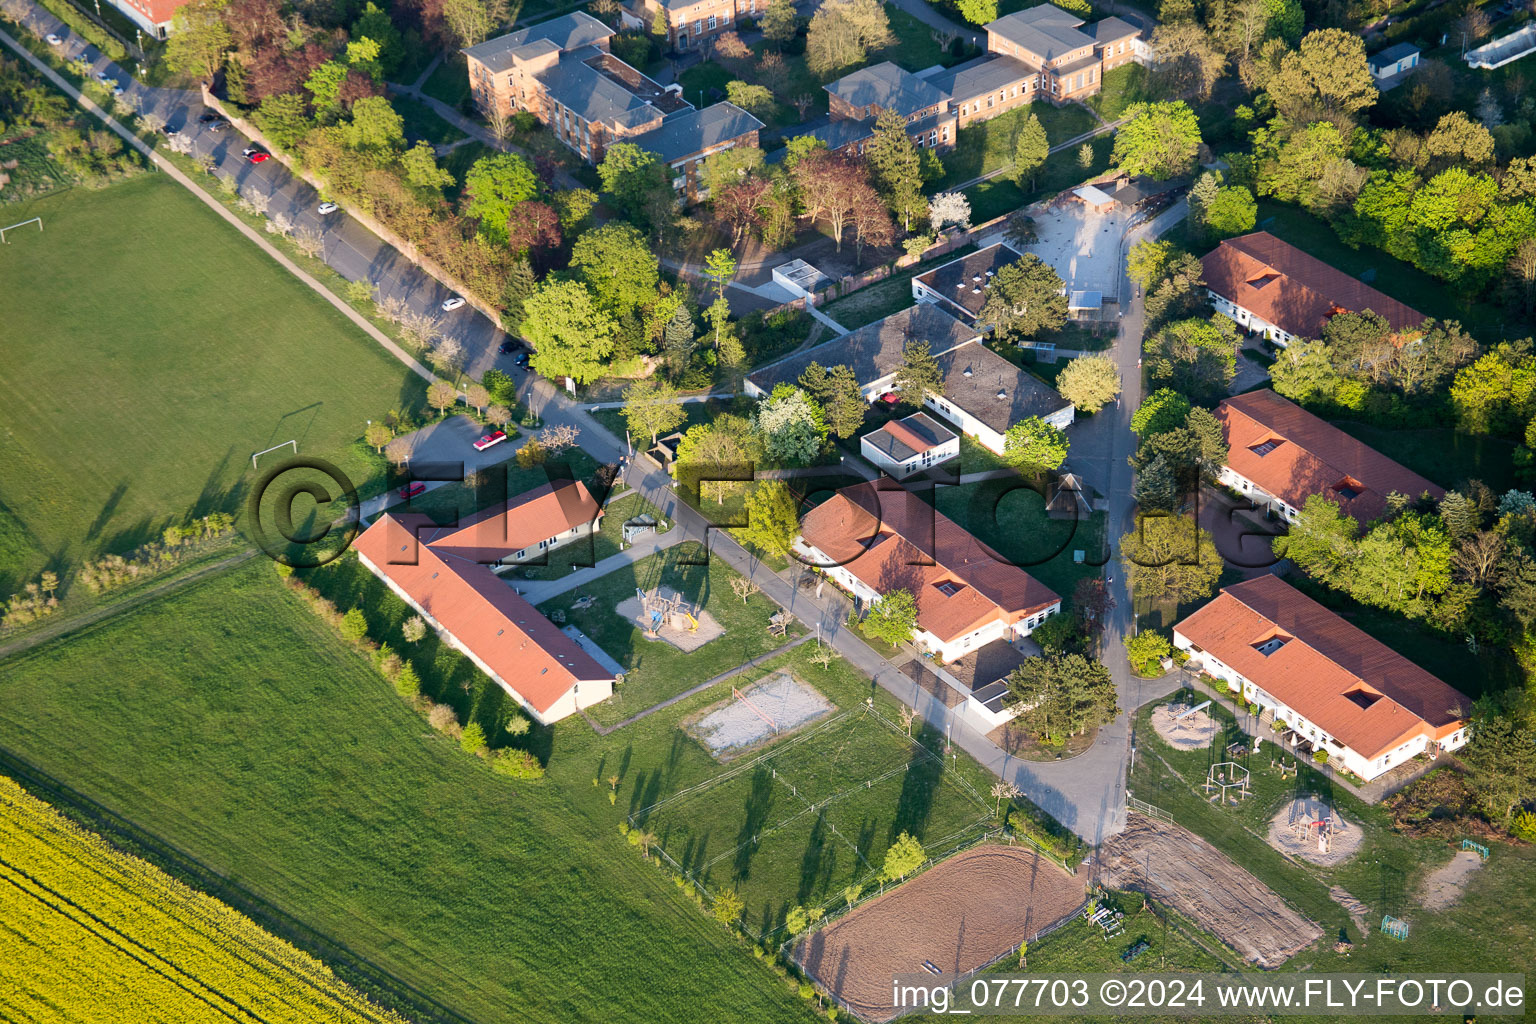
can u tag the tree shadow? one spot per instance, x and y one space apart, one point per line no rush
759 804
918 786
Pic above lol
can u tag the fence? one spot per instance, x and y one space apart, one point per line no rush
1150 810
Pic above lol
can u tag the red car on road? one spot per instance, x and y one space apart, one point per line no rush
255 155
412 489
494 437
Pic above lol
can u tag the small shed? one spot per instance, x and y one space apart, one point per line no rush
1068 498
639 526
1094 198
1085 305
800 279
665 450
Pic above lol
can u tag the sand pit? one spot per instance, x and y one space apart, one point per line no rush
960 916
1202 883
732 727
676 613
1192 732
1443 887
1304 842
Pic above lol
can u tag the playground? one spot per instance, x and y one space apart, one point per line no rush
664 614
1311 829
813 814
1184 726
769 710
949 920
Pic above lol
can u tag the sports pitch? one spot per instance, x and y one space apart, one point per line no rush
813 814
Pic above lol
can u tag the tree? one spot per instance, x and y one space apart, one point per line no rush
754 99
892 618
1162 410
728 907
571 333
1157 487
1003 790
1034 446
399 450
472 21
472 739
947 208
533 229
1521 270
902 857
377 435
1085 156
283 119
1062 695
778 22
1321 542
617 266
843 405
895 167
408 682
1147 262
918 377
1159 140
843 32
1232 212
650 407
978 12
773 519
493 187
830 187
1502 755
354 626
1021 230
1030 148
441 396
1089 382
1025 300
414 629
1170 558
1188 61
200 40
1325 79
639 183
1457 140
375 128
1194 357
720 267
790 426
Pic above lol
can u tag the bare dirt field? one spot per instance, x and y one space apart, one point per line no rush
1294 831
959 916
1202 883
1190 732
780 705
1443 887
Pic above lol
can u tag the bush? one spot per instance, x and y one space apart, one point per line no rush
532 454
354 626
519 764
1320 756
407 682
445 720
472 740
1524 826
1146 650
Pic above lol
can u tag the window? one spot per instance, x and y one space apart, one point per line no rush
1264 447
964 110
698 26
712 21
989 102
949 588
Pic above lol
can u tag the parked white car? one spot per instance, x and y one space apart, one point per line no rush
53 40
449 305
327 208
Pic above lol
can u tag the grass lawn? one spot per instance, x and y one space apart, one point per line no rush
704 83
1441 454
35 173
891 295
449 82
915 47
422 123
653 759
1393 277
195 351
1490 929
1125 85
997 196
985 146
653 669
238 729
1009 516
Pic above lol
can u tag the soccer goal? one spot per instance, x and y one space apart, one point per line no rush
266 451
20 224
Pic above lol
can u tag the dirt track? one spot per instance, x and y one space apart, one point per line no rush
960 915
1202 883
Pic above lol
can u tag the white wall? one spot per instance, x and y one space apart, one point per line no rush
1246 318
1235 480
923 460
533 551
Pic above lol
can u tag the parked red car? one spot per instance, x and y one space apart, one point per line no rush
412 489
494 437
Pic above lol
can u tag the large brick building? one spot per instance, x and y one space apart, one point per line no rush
1039 53
153 16
561 72
690 23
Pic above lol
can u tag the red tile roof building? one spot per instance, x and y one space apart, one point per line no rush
1279 454
1339 689
1269 286
446 575
155 17
873 540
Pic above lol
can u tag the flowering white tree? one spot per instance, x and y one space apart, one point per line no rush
949 208
791 426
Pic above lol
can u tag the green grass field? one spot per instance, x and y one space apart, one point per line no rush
148 352
423 123
984 146
232 724
999 195
813 814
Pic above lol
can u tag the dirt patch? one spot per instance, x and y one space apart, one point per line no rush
1358 912
959 916
1443 887
779 706
1296 832
1202 883
1181 730
665 615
